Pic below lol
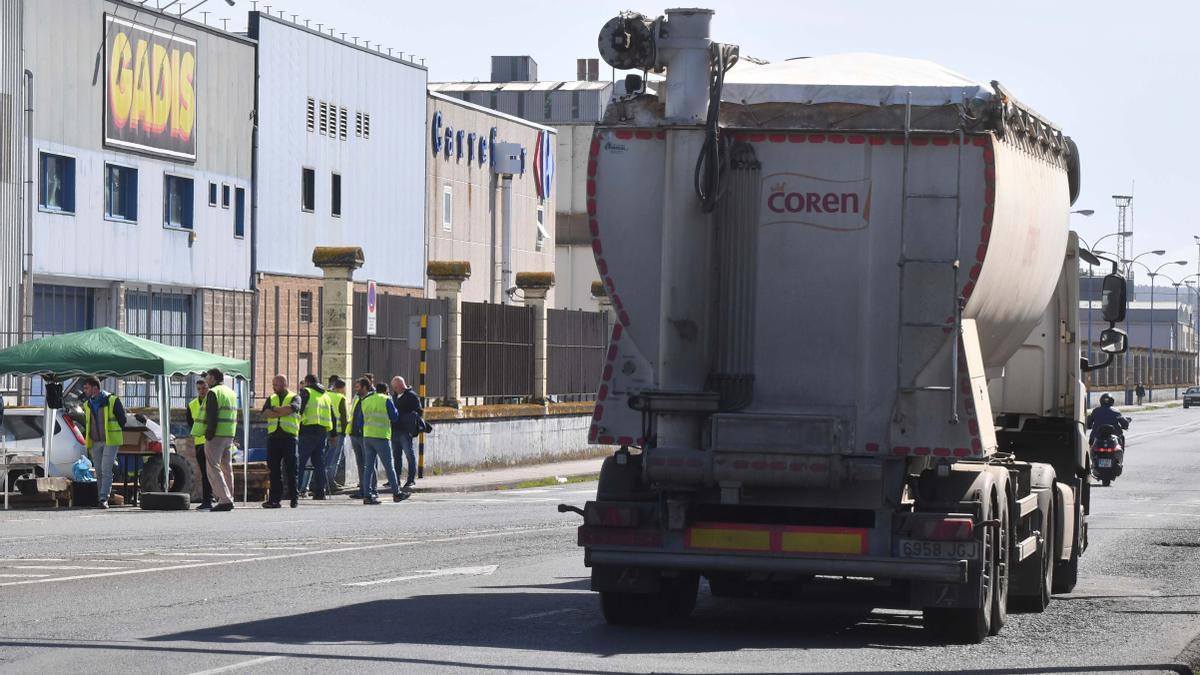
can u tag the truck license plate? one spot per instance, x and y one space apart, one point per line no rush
950 550
1104 463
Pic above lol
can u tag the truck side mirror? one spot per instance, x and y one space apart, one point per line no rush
1113 299
1113 341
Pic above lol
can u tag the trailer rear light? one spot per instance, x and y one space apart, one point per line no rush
1101 448
946 529
610 515
154 447
75 430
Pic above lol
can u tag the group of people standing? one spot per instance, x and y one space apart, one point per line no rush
312 425
308 427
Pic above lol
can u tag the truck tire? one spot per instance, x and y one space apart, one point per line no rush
674 601
1003 548
165 501
151 478
1066 573
1045 559
971 625
620 482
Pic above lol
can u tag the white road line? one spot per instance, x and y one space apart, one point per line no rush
21 576
238 666
539 615
212 555
21 560
302 554
62 567
427 574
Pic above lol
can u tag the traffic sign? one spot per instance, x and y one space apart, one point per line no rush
372 309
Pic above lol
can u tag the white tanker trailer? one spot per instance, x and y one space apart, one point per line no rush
847 339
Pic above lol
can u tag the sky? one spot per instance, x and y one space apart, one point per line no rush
1119 77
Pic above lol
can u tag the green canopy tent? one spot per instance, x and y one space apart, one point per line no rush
105 352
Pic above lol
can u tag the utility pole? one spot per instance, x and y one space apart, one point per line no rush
1123 227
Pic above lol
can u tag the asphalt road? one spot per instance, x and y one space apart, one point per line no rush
494 582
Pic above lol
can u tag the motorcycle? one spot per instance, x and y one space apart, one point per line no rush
1108 454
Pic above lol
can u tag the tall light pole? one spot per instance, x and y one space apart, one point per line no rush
1174 335
1153 273
1128 268
1091 295
1194 307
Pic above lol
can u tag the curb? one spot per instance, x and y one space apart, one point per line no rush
496 485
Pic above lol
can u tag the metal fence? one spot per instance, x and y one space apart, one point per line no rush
388 352
497 351
575 343
287 340
213 321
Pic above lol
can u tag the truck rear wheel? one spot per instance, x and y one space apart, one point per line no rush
620 481
674 601
1066 573
972 624
1045 559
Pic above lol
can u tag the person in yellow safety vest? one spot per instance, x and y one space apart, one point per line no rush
356 437
104 425
335 447
282 410
196 421
220 419
316 421
373 419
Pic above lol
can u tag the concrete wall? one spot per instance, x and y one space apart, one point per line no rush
475 232
61 42
501 442
382 171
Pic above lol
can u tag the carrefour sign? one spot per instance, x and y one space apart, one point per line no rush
150 89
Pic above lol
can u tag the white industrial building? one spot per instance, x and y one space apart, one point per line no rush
340 161
573 108
141 141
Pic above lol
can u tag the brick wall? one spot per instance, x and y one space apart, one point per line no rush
289 328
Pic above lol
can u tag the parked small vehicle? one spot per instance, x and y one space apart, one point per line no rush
1191 397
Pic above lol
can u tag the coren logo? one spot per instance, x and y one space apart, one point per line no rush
151 90
840 205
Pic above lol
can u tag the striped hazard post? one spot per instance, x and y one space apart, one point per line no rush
421 392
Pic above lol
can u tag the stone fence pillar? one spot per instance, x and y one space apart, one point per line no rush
534 286
449 276
337 312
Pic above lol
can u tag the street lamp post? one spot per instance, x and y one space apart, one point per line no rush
1153 273
1092 290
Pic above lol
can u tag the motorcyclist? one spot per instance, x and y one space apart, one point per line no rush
1105 413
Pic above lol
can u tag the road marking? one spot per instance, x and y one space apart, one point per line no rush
238 666
62 567
302 554
539 615
213 555
427 574
21 576
4 560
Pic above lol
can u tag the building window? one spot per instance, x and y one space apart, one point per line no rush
542 234
547 106
575 104
120 192
239 213
225 195
308 190
335 195
310 115
306 306
447 207
177 202
212 194
342 115
358 124
58 183
324 118
366 125
521 105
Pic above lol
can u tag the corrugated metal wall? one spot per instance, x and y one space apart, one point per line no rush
12 164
